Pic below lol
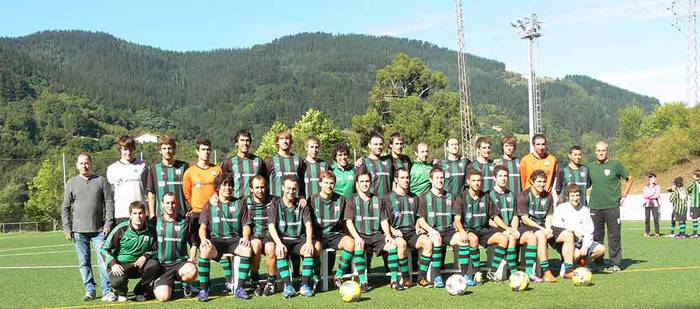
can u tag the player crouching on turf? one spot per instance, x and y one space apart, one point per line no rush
509 223
576 218
367 222
128 251
328 210
403 207
172 232
224 228
437 215
535 207
478 212
258 202
291 229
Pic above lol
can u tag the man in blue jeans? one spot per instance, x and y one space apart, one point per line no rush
87 216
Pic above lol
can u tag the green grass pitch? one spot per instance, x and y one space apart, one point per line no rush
660 273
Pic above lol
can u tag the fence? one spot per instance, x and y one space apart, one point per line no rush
20 227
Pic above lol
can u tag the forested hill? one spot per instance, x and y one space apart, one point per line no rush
212 93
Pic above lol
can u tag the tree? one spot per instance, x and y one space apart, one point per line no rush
46 193
267 145
11 209
630 120
318 124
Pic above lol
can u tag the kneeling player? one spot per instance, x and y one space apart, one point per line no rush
291 229
403 209
367 222
437 215
328 210
535 207
224 229
258 202
478 212
575 217
172 232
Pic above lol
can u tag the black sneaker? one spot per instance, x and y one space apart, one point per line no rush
364 287
89 296
269 289
258 290
190 291
395 285
424 283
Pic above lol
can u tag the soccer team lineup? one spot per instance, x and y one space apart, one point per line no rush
317 225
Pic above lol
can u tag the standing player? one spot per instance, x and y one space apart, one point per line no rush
283 163
483 163
312 166
172 232
438 216
291 229
535 208
128 179
475 208
367 221
506 200
166 176
508 144
379 167
420 171
258 202
694 192
344 171
575 217
397 146
244 165
327 215
573 173
224 228
538 160
679 200
455 168
403 210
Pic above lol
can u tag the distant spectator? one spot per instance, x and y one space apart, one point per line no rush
651 204
679 200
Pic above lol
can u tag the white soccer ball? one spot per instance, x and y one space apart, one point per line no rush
456 285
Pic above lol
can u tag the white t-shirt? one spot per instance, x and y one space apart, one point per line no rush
576 220
127 180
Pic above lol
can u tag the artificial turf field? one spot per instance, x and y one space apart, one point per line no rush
659 273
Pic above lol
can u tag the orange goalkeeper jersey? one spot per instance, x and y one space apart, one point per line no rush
532 162
198 185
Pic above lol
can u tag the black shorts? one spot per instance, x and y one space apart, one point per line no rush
556 231
374 242
447 235
331 242
680 217
694 213
484 235
224 245
294 245
169 274
411 238
522 229
193 230
263 238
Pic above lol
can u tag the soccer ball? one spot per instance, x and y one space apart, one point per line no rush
582 276
519 281
350 291
456 285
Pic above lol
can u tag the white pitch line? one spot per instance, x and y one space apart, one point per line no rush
41 267
36 247
35 253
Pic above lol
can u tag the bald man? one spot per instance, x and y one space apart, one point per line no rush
606 200
420 170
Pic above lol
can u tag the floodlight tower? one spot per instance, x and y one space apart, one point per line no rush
466 125
529 29
692 67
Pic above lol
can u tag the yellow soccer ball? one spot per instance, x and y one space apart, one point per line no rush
350 291
518 281
582 276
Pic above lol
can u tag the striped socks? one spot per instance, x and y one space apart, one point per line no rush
360 265
203 266
343 263
530 259
423 265
463 259
283 270
498 255
393 261
512 259
243 269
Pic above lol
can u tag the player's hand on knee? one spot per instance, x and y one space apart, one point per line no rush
140 261
205 245
244 242
280 251
117 270
389 240
359 244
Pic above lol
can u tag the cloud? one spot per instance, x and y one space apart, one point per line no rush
417 24
624 10
665 83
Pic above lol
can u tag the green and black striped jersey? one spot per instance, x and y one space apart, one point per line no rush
567 175
381 170
225 220
694 192
312 179
438 211
367 216
506 202
475 212
403 161
679 200
455 175
537 208
278 167
163 179
289 221
513 166
258 215
328 215
243 171
403 210
172 240
486 171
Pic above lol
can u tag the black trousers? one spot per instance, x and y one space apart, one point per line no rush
148 273
648 213
608 218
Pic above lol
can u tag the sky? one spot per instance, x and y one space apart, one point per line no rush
633 44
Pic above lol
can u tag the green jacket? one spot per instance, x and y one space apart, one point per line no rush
344 180
126 245
420 177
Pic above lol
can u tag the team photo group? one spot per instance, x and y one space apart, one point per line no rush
321 223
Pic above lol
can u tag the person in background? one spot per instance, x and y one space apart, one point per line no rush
651 204
694 192
679 200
